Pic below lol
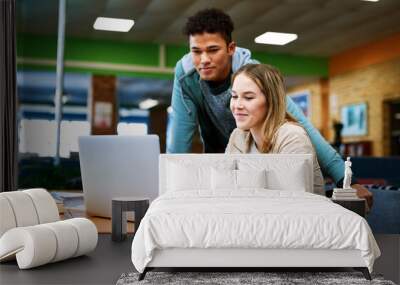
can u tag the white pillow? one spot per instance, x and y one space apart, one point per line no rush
237 179
251 178
183 177
193 175
281 174
279 180
223 179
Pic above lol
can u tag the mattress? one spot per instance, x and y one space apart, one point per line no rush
251 219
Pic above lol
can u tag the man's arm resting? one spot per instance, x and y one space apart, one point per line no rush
329 160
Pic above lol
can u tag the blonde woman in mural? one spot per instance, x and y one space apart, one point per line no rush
258 105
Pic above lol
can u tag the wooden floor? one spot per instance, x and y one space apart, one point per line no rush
103 224
104 265
73 207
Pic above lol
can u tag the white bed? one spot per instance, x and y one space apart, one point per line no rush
201 219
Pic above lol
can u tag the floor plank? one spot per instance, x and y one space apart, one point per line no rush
103 224
102 266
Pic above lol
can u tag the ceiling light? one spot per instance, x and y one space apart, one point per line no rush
113 24
148 104
271 38
371 0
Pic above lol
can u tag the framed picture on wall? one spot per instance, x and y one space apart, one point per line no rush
303 100
354 119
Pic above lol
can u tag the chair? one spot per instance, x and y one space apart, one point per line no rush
31 231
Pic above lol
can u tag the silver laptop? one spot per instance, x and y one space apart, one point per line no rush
117 166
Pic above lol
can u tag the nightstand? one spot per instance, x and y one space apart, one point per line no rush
120 206
355 205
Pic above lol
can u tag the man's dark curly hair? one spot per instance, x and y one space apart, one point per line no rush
210 21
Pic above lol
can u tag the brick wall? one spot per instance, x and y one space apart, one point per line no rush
375 84
316 100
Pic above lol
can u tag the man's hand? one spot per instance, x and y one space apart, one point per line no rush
363 192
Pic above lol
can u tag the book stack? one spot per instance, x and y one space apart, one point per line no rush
60 206
344 194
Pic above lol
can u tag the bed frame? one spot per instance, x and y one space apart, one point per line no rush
241 259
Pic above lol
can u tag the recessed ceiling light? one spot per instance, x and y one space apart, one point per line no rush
148 104
113 24
272 38
371 0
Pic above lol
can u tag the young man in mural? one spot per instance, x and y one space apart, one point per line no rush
201 94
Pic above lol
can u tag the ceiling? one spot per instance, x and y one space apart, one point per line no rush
324 27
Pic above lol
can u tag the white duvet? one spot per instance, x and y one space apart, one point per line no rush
250 218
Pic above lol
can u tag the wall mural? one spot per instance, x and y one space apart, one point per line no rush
36 119
303 100
354 119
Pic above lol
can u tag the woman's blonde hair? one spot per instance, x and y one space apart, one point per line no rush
270 81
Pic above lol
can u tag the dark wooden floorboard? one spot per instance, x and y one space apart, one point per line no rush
102 266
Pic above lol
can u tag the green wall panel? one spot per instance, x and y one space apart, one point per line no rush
294 64
44 47
145 54
114 52
89 50
175 53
